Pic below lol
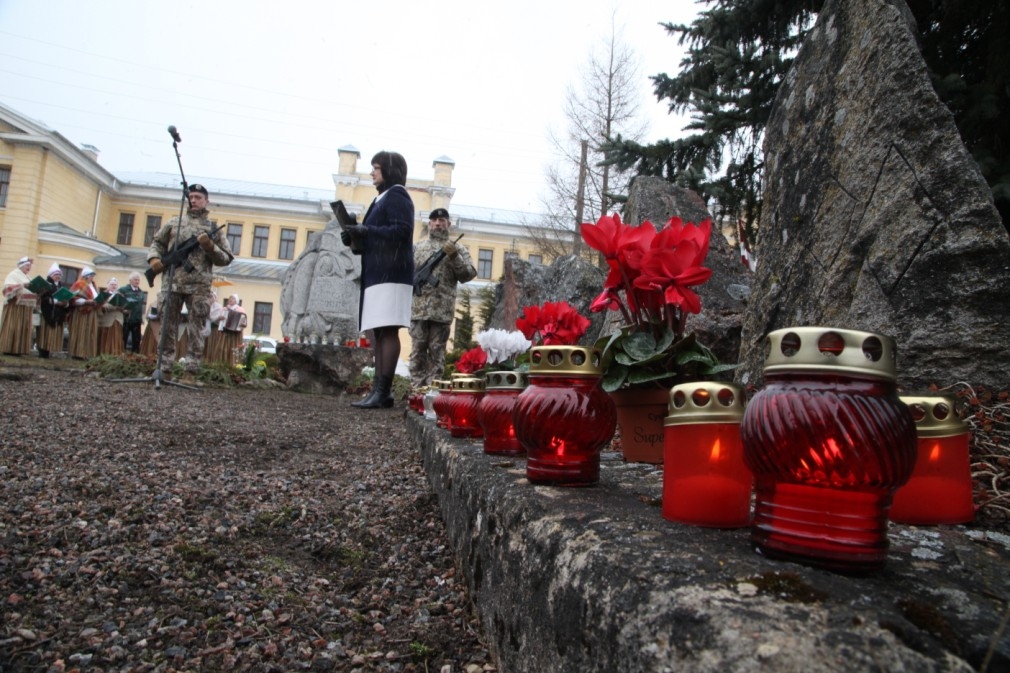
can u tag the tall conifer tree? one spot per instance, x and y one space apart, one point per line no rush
740 50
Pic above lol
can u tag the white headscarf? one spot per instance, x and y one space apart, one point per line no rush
55 268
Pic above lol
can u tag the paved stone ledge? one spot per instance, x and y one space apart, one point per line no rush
595 580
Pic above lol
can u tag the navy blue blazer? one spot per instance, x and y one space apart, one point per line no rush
389 249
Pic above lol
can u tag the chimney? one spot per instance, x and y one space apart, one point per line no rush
91 151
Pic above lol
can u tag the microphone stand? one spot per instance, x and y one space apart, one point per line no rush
166 286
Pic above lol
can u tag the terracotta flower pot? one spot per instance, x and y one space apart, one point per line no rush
640 415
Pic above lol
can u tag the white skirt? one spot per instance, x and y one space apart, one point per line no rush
385 305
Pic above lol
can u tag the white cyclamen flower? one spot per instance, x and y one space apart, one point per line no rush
500 345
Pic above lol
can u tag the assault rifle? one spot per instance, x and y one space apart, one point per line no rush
180 254
426 274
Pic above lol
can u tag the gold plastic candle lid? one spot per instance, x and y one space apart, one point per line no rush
566 360
505 380
468 384
704 402
831 350
935 416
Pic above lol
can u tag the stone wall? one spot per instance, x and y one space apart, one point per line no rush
594 580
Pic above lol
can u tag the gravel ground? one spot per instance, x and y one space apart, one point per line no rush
149 529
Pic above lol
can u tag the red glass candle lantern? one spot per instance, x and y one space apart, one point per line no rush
828 441
450 400
705 479
440 405
495 412
939 490
464 399
564 417
416 402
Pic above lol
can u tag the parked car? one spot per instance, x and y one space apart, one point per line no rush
264 344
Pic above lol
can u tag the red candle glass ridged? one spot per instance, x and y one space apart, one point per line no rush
495 412
828 441
416 402
465 398
441 403
564 417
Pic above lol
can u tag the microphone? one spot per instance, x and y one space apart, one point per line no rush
174 132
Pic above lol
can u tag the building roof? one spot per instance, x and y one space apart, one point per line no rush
269 190
459 212
136 258
225 186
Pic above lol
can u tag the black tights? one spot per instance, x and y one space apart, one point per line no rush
386 348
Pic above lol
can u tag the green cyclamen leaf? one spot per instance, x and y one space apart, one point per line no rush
614 377
718 369
694 356
640 346
665 340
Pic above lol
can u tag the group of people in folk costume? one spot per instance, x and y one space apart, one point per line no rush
93 317
97 323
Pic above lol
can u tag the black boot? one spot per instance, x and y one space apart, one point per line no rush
370 397
379 397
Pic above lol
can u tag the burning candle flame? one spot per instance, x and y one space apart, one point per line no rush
557 445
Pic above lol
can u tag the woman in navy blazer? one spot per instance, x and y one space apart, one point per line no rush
385 239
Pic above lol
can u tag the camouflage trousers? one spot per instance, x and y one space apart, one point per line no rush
427 351
198 308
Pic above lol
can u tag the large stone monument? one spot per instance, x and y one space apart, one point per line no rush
319 302
875 215
320 290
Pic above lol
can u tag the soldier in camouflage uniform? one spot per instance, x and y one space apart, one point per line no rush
192 288
432 312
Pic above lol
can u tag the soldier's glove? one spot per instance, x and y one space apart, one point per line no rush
345 237
450 249
205 242
156 265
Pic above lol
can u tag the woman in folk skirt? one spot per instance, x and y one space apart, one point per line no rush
233 322
16 322
54 315
110 324
84 317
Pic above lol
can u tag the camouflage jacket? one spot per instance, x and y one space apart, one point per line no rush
199 279
438 303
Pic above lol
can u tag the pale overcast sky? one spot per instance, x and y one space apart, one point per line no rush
267 91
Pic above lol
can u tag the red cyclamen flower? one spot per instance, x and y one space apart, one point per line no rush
622 246
472 361
648 270
556 323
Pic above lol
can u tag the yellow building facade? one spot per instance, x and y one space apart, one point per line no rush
58 204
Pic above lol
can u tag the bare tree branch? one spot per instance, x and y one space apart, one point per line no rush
603 102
